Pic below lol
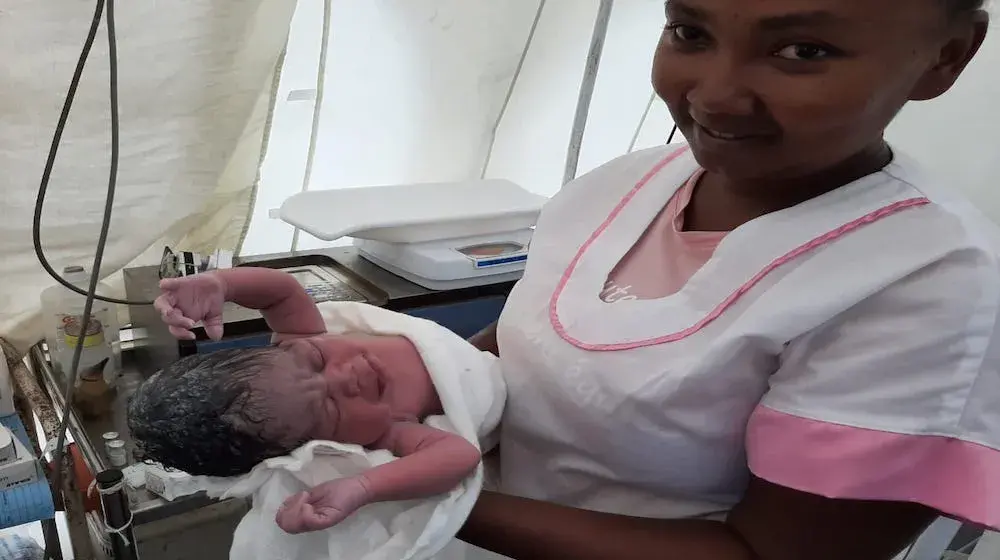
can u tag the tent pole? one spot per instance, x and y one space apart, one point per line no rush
510 88
264 143
642 121
317 108
587 88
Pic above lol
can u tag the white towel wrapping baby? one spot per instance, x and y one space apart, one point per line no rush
472 393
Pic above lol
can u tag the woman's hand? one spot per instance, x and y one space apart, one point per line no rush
770 523
486 340
184 302
324 506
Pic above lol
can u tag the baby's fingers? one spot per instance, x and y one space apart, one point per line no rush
177 319
289 516
294 501
290 520
170 283
164 305
181 333
312 520
171 314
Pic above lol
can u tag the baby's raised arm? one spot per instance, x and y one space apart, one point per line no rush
430 462
283 302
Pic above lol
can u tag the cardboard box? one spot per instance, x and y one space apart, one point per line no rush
21 470
169 484
7 450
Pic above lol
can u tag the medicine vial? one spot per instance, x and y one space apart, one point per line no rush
108 437
117 454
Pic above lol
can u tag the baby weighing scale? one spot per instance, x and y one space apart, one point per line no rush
440 236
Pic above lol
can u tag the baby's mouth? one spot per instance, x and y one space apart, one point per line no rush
375 382
370 385
379 388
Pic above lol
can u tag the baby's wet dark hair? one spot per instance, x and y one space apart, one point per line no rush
203 414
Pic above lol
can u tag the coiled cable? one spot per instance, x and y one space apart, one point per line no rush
106 8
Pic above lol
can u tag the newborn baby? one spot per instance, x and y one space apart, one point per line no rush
221 414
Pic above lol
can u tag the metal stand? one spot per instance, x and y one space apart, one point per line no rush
28 390
117 514
50 529
988 547
933 542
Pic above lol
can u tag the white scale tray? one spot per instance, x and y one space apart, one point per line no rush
414 213
404 228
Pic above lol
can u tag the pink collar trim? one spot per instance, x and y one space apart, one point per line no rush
816 242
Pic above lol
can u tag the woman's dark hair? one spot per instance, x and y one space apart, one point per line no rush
962 7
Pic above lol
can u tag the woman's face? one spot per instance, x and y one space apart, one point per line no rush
784 88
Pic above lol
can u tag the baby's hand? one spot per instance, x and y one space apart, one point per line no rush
324 506
188 300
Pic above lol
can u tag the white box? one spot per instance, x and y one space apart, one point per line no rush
7 450
22 470
169 484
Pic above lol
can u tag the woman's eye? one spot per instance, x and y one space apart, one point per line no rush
681 33
804 52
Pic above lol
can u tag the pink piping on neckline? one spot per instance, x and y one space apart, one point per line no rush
732 298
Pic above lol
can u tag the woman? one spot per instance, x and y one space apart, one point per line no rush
777 343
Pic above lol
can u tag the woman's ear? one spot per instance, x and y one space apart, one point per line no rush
962 42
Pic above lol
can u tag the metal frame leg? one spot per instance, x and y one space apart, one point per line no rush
988 547
50 529
932 543
26 384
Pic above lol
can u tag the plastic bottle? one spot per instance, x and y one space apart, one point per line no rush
62 310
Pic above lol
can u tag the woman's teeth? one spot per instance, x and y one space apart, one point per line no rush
724 135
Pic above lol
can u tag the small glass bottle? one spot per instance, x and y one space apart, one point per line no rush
117 454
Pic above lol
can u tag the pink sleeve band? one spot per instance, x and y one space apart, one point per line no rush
955 477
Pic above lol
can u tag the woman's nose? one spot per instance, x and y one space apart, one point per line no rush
720 89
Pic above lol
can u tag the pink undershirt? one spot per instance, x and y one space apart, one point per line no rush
665 257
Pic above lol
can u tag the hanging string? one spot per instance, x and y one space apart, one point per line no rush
120 531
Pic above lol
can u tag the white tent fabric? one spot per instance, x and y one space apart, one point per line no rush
414 90
195 91
436 81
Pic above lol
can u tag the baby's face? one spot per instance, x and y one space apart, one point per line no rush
324 386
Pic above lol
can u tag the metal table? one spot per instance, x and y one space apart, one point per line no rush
399 293
197 526
465 311
164 529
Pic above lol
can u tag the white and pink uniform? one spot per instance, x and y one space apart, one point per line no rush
846 347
